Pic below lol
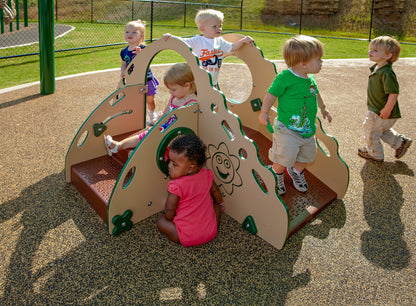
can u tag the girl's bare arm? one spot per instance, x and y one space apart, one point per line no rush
171 205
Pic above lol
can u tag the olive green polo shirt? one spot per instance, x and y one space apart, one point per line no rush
381 83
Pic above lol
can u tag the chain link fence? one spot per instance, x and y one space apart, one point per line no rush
83 24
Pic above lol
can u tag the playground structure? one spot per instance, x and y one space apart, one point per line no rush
125 189
8 11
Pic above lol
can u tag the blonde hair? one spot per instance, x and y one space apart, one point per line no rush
209 14
301 48
389 44
180 74
139 26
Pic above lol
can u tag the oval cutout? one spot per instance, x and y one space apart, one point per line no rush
259 181
82 139
243 153
129 177
228 130
323 147
214 108
117 98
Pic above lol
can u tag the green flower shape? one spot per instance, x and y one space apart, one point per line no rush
122 223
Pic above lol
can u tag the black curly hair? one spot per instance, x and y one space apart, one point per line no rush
192 146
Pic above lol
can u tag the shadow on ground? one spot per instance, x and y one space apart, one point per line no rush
58 251
383 199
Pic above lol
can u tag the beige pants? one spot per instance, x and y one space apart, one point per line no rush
375 129
289 147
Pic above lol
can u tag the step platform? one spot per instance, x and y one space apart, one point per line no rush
302 206
96 178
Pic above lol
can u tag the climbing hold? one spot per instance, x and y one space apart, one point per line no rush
249 225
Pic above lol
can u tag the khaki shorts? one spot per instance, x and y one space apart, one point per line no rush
289 147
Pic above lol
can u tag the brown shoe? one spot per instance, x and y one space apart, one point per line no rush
400 151
364 154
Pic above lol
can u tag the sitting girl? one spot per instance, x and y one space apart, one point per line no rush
194 204
181 84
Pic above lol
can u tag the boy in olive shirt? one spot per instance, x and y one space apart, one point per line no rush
383 107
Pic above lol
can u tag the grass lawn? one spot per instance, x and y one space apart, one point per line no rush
17 71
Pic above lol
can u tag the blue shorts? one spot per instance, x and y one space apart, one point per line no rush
152 86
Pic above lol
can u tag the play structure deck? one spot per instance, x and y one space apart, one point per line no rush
130 186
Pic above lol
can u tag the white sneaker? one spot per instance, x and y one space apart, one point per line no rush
281 188
108 141
298 179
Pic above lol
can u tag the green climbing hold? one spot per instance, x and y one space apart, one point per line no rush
249 225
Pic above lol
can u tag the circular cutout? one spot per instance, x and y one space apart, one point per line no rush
235 80
161 151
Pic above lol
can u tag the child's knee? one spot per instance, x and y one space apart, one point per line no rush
161 223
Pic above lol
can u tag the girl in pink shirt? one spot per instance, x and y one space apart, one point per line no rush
194 204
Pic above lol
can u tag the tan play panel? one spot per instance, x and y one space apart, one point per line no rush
127 188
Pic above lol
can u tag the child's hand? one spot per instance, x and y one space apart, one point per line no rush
264 118
385 114
248 40
326 114
222 205
136 50
166 36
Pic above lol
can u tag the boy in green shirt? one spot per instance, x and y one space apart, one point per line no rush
383 107
294 143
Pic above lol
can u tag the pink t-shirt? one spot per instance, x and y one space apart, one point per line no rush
195 216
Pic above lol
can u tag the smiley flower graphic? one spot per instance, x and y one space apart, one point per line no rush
225 167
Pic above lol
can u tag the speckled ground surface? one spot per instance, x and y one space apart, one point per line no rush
55 250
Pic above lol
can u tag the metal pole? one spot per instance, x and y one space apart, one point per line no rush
2 22
151 21
26 13
300 19
46 47
11 22
371 19
184 15
241 15
17 15
132 10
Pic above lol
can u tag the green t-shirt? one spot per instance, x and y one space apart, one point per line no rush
296 102
381 83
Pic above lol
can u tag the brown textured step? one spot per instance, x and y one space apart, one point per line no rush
95 180
302 206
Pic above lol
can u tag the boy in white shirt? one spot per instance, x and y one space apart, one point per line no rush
210 47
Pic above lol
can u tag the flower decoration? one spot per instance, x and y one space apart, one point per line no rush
122 223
